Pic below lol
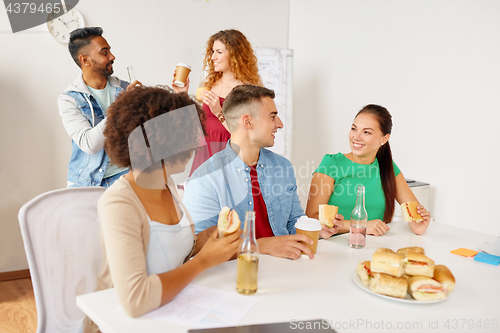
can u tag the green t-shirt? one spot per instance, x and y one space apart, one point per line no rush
348 175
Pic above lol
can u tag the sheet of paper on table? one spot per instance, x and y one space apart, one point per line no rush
203 307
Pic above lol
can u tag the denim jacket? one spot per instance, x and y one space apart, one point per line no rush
84 121
224 180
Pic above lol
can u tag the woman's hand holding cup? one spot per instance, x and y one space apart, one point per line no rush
178 89
212 100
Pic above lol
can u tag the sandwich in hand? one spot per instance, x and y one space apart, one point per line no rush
418 264
327 214
405 250
443 275
364 272
410 212
389 285
423 288
229 222
388 263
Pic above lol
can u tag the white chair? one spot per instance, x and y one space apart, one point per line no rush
61 238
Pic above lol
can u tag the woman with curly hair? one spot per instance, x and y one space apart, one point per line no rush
229 61
146 232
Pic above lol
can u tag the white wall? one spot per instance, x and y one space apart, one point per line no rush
151 36
434 64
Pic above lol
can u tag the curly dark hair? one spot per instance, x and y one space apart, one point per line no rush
134 108
80 38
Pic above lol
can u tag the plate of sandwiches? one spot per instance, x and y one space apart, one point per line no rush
407 275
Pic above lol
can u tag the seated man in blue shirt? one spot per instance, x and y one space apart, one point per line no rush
246 176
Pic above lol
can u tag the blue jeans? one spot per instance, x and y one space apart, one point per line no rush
106 182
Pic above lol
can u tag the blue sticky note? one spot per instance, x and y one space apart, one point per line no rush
487 258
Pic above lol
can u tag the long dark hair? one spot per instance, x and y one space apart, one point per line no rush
384 157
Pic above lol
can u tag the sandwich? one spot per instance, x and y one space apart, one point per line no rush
229 222
423 288
405 250
364 272
327 214
389 285
388 263
418 264
384 250
443 275
410 212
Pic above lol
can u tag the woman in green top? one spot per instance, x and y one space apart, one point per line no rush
370 164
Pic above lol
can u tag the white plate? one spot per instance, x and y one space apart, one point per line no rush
408 298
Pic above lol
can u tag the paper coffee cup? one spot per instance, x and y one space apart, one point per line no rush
310 228
181 74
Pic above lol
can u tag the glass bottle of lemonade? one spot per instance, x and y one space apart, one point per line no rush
248 258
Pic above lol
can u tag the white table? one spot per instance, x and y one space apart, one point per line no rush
323 288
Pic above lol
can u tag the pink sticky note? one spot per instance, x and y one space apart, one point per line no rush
465 252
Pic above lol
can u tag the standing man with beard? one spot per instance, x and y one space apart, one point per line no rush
83 108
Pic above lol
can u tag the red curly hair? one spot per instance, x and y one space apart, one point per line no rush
242 59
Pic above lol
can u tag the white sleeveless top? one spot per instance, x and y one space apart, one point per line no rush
169 245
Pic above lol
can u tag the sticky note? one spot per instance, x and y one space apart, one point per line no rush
487 258
465 252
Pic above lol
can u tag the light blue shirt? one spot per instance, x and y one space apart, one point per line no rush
224 180
105 97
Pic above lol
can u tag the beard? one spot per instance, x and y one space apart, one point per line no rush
106 71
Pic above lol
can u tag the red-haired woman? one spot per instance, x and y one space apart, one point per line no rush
370 164
229 61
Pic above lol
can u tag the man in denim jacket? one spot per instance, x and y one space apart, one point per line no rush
83 109
246 176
